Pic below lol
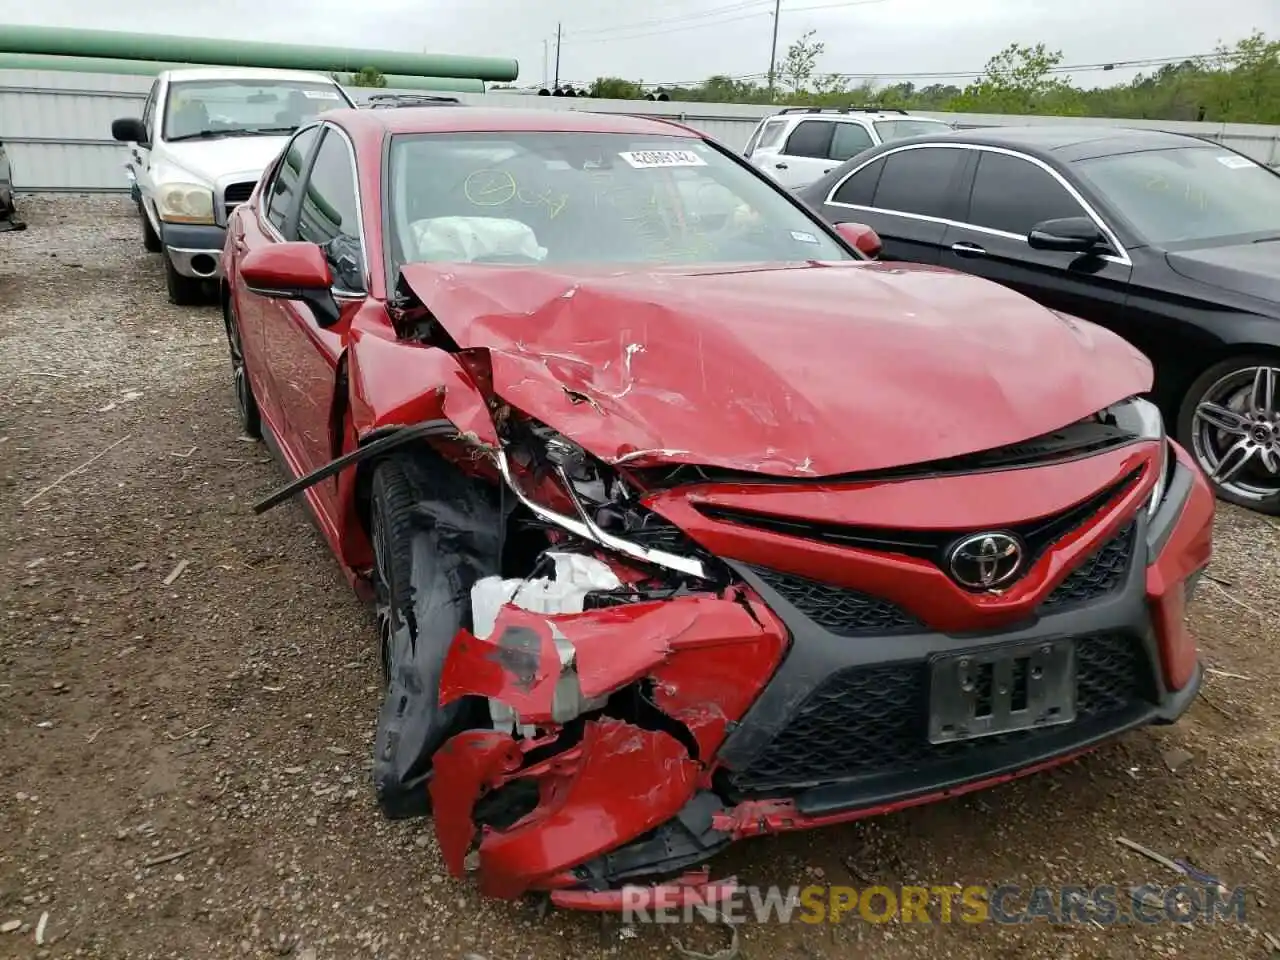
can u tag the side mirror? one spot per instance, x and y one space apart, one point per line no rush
1067 234
128 130
295 270
862 237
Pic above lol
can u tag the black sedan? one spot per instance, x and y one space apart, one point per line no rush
1171 241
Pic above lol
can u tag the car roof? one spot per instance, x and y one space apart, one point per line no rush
1065 143
406 120
244 73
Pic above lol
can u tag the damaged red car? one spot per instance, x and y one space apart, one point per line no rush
683 518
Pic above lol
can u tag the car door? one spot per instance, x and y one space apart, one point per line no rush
258 316
1011 193
302 354
806 154
907 196
139 162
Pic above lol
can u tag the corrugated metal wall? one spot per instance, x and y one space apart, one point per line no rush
57 126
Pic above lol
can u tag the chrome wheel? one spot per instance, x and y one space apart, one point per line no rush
239 378
1235 432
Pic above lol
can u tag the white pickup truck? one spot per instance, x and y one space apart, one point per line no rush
199 148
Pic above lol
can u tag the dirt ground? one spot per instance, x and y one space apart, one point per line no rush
225 720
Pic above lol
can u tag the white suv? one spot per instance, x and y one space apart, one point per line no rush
800 144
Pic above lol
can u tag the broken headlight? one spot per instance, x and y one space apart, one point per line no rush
605 511
1142 419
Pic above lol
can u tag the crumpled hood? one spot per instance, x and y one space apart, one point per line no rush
212 159
785 370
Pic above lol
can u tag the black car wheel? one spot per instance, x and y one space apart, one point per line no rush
1230 421
150 239
246 404
183 291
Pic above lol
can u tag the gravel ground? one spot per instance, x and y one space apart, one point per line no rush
224 720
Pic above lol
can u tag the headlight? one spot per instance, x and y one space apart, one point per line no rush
184 203
1142 418
594 491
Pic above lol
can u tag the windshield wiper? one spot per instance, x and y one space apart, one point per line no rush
201 135
1268 239
269 130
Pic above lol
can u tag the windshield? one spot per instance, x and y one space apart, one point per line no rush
909 127
1189 194
588 198
196 108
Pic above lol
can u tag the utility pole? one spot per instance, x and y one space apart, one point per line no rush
773 50
558 55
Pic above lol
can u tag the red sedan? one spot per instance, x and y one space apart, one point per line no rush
684 519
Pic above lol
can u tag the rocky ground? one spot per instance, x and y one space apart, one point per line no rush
188 694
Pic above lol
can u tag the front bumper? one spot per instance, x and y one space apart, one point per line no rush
194 249
767 721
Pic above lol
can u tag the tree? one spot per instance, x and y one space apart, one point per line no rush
1018 79
367 77
797 67
1240 84
615 88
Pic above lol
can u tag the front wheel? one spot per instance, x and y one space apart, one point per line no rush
183 291
1230 422
150 239
246 403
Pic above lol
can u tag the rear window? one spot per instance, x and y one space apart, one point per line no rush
909 127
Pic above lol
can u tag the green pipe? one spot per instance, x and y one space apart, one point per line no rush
149 68
113 44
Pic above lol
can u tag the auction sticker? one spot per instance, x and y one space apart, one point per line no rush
1235 163
319 94
647 159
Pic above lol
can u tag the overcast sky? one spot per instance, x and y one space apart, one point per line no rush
687 40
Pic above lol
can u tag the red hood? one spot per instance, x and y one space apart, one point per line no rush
816 370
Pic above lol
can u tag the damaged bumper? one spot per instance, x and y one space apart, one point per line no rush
631 742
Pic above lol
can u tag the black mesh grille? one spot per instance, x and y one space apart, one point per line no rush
238 192
1098 576
873 720
846 613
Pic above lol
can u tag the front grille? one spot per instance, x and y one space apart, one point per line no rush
236 194
867 721
846 613
1098 576
931 545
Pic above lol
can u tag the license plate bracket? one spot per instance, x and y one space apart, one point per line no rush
1003 689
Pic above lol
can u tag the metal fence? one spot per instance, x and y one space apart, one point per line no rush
57 126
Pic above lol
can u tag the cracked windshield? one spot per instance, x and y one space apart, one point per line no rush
588 198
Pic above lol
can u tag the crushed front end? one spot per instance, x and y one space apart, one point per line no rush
701 655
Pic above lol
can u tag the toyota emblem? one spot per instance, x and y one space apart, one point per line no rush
986 561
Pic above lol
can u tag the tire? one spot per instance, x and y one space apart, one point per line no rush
1229 421
183 291
246 403
422 584
150 239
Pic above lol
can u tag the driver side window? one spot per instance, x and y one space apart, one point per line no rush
282 196
329 215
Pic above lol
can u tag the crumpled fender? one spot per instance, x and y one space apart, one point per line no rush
397 382
519 665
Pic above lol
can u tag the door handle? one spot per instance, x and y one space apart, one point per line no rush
780 166
963 249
